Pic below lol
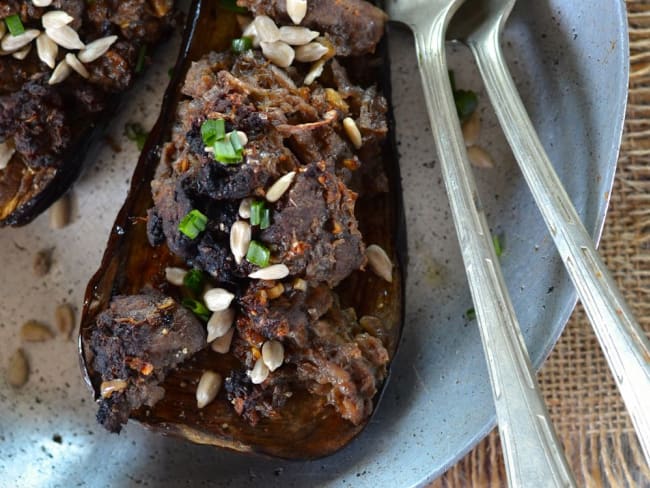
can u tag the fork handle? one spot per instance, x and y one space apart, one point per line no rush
533 455
623 342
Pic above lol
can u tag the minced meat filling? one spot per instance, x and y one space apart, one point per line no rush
295 131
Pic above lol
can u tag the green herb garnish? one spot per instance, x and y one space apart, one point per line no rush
197 308
470 314
466 103
241 44
213 130
225 153
139 65
136 133
258 254
194 280
498 248
193 224
14 25
232 6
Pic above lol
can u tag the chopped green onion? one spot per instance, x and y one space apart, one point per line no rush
498 248
466 103
14 25
193 224
139 65
236 142
136 133
197 308
232 6
241 45
266 219
258 254
225 153
194 280
257 209
470 314
213 130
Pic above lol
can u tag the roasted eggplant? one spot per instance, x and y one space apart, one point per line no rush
142 342
63 66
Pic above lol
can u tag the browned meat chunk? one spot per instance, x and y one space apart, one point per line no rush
354 26
137 341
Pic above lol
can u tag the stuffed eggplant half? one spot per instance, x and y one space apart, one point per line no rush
62 65
251 293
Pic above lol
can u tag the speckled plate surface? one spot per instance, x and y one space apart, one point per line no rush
570 61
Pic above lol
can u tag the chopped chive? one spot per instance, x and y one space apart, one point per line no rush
236 142
193 281
197 308
266 219
258 254
193 224
232 6
225 153
470 314
498 248
241 44
257 209
14 25
136 133
213 130
466 103
139 65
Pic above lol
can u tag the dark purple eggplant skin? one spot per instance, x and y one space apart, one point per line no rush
308 429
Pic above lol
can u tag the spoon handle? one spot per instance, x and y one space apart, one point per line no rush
533 455
623 342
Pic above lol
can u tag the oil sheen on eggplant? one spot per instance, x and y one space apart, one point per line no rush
52 125
307 428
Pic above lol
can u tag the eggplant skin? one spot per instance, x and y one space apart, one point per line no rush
307 428
49 127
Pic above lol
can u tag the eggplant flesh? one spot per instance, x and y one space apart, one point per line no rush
307 427
46 129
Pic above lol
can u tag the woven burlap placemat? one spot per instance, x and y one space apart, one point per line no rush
586 409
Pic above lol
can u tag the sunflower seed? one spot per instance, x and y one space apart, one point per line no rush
175 276
279 188
220 323
17 369
296 9
22 53
297 36
65 36
479 157
310 52
217 299
314 72
299 284
107 388
240 239
55 19
245 208
266 29
352 131
279 53
273 354
222 344
33 331
259 372
243 138
76 65
96 49
207 389
47 49
60 210
42 3
60 73
471 128
6 153
11 43
64 319
379 262
42 262
273 272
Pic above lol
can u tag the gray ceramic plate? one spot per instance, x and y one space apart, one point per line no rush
570 61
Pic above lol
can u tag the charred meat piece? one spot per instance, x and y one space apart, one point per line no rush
46 120
138 340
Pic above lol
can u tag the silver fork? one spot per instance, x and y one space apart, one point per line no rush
627 350
533 455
